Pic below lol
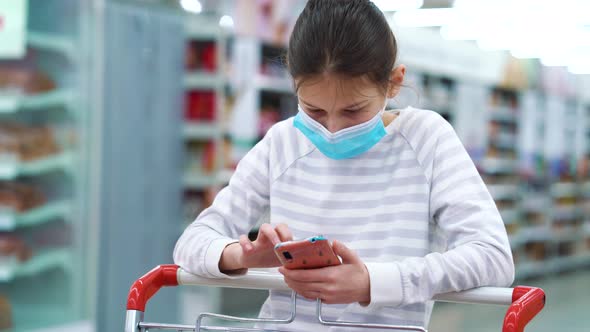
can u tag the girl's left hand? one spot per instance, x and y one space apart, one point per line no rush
341 284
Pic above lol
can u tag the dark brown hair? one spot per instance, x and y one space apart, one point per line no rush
350 38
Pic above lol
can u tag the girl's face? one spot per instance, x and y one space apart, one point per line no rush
338 103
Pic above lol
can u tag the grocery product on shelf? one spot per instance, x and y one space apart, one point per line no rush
20 77
272 61
192 205
25 143
536 251
19 197
439 94
5 313
14 245
196 159
196 201
200 106
201 56
50 236
268 117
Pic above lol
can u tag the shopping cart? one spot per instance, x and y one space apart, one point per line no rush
524 302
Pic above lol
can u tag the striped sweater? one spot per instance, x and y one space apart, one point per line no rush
413 207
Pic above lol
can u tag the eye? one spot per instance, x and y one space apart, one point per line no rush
315 112
353 112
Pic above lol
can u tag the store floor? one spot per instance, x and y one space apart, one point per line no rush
567 309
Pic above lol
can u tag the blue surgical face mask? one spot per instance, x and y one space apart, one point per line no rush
345 143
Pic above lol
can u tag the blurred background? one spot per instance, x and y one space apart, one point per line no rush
121 120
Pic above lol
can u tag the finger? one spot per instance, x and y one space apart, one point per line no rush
311 275
246 244
306 286
284 232
269 233
311 295
328 300
348 256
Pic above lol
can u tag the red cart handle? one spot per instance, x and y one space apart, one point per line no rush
525 304
145 287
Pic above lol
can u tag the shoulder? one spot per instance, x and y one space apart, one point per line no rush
286 145
417 124
284 135
424 130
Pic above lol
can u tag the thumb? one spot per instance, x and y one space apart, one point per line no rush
348 256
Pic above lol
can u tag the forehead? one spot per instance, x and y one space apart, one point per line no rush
328 91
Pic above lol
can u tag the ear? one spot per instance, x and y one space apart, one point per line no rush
396 80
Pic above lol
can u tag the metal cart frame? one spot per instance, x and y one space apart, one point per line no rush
524 302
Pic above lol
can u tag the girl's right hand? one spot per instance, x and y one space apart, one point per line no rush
258 253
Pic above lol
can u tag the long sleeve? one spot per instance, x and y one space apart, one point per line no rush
478 252
234 211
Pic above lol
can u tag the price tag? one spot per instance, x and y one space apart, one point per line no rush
8 103
6 219
7 266
8 166
13 15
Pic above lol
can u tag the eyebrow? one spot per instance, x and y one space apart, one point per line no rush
355 105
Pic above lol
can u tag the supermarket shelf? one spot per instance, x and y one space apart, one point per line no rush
559 264
45 314
48 212
196 180
202 130
41 101
504 191
531 234
499 165
504 139
274 84
14 169
52 42
502 114
198 30
564 189
531 269
11 269
510 216
567 235
585 189
535 204
566 212
203 80
73 326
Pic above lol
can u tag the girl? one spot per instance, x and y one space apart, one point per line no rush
396 190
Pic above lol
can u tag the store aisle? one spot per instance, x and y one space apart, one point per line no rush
566 309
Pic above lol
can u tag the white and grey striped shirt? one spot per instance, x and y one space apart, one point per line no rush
413 207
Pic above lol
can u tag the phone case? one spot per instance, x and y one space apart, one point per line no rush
311 253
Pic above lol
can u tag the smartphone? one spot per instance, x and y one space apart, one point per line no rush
311 253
